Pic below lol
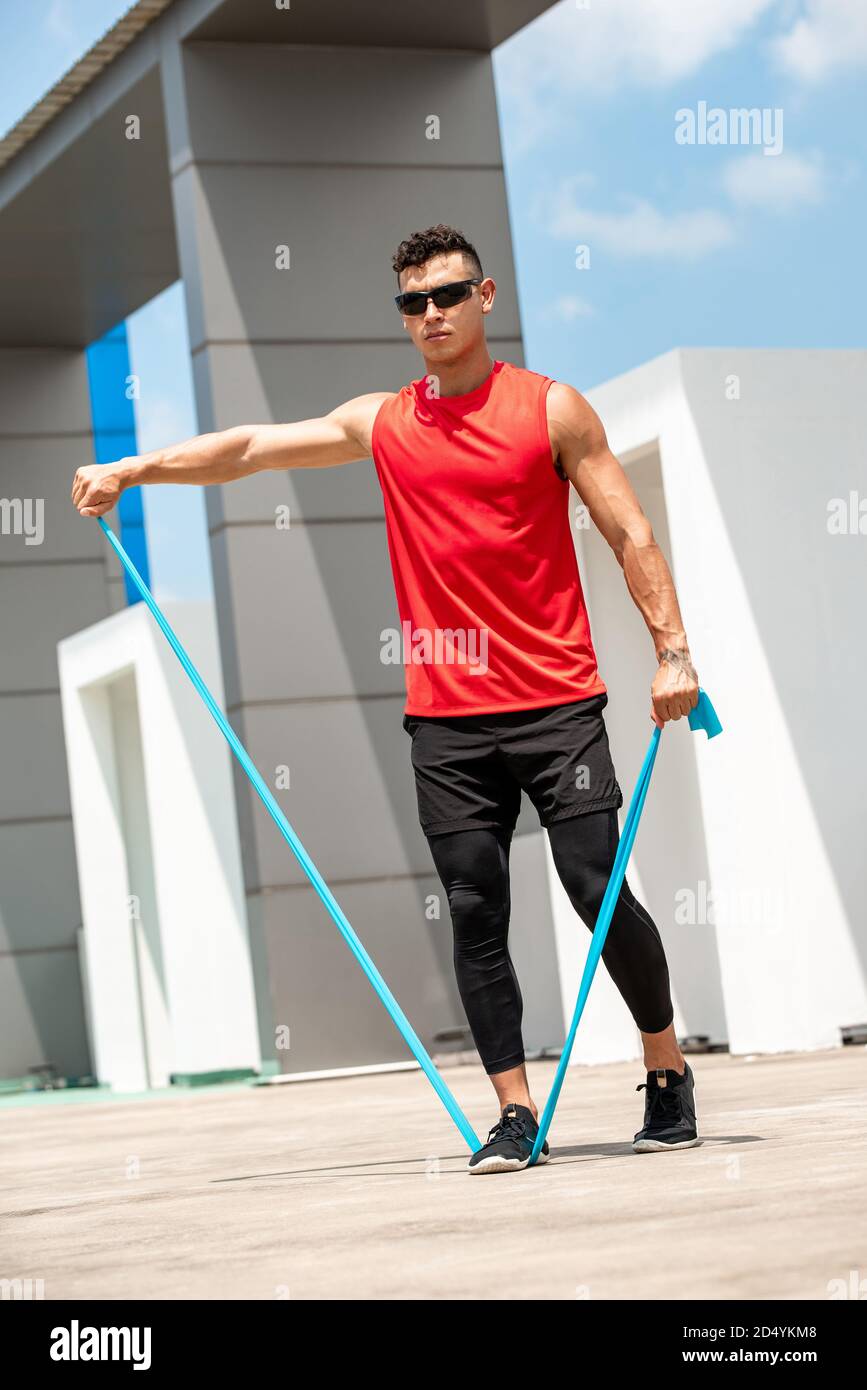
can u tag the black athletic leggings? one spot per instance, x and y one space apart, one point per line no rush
474 868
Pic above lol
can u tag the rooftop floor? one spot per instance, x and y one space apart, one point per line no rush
357 1188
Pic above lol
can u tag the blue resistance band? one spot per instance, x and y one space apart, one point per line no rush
398 1017
702 717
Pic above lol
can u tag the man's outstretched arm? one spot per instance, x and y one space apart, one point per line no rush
578 441
343 436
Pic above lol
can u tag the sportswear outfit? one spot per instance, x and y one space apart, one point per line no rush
503 691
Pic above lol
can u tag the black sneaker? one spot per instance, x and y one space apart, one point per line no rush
509 1144
669 1112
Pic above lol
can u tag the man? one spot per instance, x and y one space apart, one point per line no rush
475 460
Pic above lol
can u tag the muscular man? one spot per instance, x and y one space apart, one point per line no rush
475 460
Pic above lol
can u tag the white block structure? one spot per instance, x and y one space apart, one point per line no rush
169 979
750 853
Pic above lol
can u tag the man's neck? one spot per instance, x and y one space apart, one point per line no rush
457 378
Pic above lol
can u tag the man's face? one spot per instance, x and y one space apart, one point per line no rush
443 335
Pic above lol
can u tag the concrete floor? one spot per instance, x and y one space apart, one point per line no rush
357 1189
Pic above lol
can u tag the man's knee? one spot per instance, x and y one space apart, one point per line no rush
585 888
476 910
584 849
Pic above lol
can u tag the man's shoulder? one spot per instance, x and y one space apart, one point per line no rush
359 416
565 400
555 392
523 374
570 415
361 411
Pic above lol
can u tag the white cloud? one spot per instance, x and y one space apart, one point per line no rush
613 45
637 229
828 36
68 28
57 22
782 183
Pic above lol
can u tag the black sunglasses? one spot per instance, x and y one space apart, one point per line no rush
444 297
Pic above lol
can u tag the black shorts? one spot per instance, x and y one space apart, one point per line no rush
470 770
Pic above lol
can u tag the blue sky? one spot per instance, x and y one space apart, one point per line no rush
689 244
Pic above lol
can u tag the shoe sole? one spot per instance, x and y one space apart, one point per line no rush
506 1165
656 1146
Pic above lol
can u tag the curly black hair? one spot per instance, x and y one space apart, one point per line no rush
434 241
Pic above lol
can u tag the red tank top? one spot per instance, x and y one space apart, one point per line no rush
488 592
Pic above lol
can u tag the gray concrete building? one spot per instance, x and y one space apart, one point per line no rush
271 158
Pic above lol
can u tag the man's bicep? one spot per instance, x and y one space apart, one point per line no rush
341 436
574 429
593 470
316 443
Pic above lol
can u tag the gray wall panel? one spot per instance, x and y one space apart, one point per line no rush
323 997
34 782
339 283
309 605
43 391
42 1013
43 603
354 810
43 469
48 591
314 105
39 904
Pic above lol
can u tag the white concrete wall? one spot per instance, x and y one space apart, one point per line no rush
170 978
749 448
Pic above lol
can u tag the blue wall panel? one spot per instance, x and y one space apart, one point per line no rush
114 437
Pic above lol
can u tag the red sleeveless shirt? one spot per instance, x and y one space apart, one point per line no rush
488 592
